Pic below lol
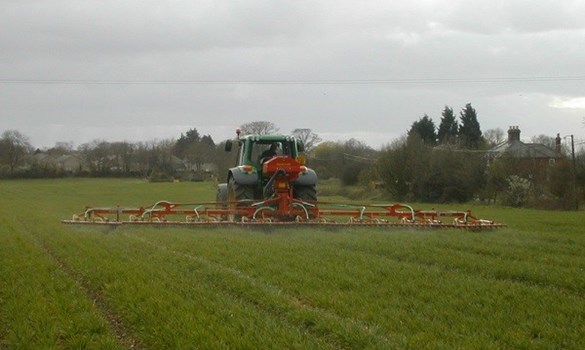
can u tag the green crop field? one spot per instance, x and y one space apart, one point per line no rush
68 287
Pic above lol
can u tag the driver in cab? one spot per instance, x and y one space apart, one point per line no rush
269 153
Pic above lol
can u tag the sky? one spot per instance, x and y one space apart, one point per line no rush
142 70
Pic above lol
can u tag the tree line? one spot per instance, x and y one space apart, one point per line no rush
448 162
191 156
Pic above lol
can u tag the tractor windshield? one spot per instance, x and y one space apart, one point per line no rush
263 150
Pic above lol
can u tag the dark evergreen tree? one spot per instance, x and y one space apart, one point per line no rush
201 152
425 129
185 142
448 128
469 135
207 140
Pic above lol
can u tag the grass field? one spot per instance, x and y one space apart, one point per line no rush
64 287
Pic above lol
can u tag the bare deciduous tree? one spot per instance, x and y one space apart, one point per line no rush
546 140
13 147
307 137
259 128
494 136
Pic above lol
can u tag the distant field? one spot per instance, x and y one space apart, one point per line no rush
64 287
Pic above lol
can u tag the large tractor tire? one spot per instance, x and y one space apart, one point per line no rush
221 198
306 193
222 193
238 192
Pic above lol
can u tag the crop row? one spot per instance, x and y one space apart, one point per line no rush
71 287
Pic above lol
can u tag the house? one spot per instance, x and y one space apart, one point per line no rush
71 164
531 160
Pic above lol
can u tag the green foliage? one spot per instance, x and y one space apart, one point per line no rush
70 287
561 189
498 171
325 159
411 170
393 170
580 175
454 176
344 160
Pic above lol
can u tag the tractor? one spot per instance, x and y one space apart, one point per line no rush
268 166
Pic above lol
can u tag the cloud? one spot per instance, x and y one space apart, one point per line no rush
520 16
568 103
448 52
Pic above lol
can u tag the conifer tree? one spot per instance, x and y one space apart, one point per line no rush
425 129
469 135
448 128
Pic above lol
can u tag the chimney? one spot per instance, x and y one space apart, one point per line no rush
558 144
513 134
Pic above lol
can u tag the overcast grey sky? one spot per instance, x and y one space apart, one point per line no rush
75 71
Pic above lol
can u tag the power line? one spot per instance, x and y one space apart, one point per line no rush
346 156
356 158
423 81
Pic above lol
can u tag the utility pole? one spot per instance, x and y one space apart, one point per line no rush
574 174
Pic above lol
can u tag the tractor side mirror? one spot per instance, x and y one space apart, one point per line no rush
300 146
228 146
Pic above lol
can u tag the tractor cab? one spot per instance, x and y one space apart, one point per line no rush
255 150
260 160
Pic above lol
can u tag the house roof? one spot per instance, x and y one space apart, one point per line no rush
524 150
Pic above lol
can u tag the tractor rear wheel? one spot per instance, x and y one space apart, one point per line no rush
238 192
221 198
306 193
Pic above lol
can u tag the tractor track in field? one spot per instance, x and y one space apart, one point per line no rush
526 281
122 333
290 301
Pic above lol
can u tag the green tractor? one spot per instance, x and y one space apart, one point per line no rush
265 166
